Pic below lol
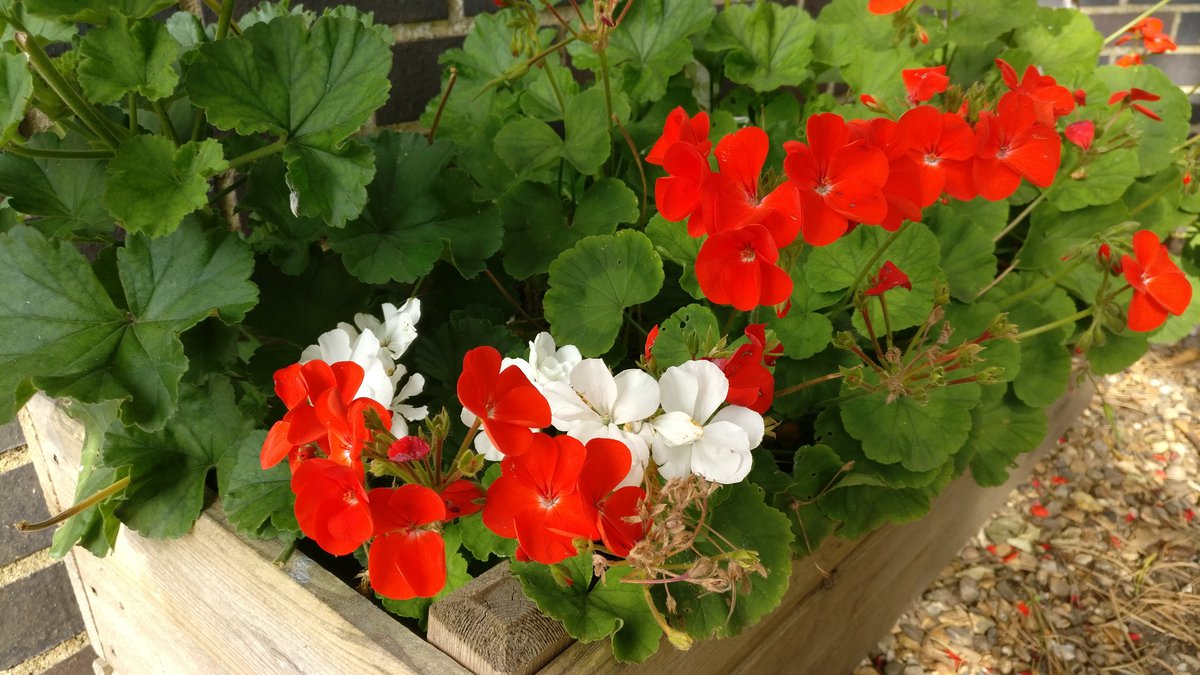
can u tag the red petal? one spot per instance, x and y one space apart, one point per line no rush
276 447
826 133
1144 313
290 386
1007 73
606 465
405 507
406 566
318 376
994 180
741 155
349 376
676 197
1173 292
618 534
819 224
481 367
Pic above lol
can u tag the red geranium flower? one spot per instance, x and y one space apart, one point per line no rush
1081 133
677 195
756 333
462 498
1130 97
407 560
1050 99
751 385
408 449
331 505
838 180
888 277
943 147
737 267
680 128
1159 287
886 6
506 402
1150 30
536 500
1127 60
651 337
1013 145
924 83
902 191
731 196
606 465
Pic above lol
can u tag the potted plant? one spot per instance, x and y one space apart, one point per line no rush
662 298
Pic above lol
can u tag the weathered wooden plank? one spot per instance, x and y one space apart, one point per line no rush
212 602
823 625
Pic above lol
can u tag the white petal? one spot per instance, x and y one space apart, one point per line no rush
589 429
415 385
674 461
399 426
723 455
712 386
677 428
637 396
640 454
485 447
750 422
566 408
594 382
677 390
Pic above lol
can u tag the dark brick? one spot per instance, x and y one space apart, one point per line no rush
22 500
1183 69
1189 29
814 7
473 7
416 78
38 612
1107 23
79 663
11 436
391 11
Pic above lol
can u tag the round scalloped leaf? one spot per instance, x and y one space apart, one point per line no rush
1098 183
769 46
1156 139
593 613
921 437
862 505
593 283
1004 428
690 333
672 242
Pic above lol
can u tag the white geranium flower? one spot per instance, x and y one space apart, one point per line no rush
398 328
404 413
546 363
340 344
689 438
594 404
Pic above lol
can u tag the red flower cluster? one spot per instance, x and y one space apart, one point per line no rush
559 491
506 403
1150 31
1159 286
333 506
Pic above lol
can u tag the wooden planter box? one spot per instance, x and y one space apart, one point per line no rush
213 601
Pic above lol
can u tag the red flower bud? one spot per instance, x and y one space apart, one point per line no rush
1081 133
408 449
1080 97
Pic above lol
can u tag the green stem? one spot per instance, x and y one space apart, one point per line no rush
887 321
511 300
197 125
637 158
26 526
1055 324
165 121
1185 144
26 151
288 549
437 118
1133 22
133 125
1044 283
558 95
1153 198
806 384
224 18
264 151
643 331
1020 216
608 104
44 67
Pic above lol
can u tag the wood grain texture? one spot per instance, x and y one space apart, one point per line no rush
490 627
213 602
824 625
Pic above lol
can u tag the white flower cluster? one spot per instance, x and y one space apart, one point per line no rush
680 419
377 346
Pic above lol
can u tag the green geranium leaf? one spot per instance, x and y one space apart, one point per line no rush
653 44
316 85
152 184
991 217
287 239
259 503
1098 183
690 333
94 11
862 506
1156 139
118 59
1062 42
1117 353
673 243
968 254
416 214
536 230
915 251
527 145
969 323
831 431
94 528
770 46
1045 362
16 87
167 470
593 613
919 436
803 334
987 20
66 194
846 31
482 542
69 339
815 468
593 283
588 142
745 522
1003 428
